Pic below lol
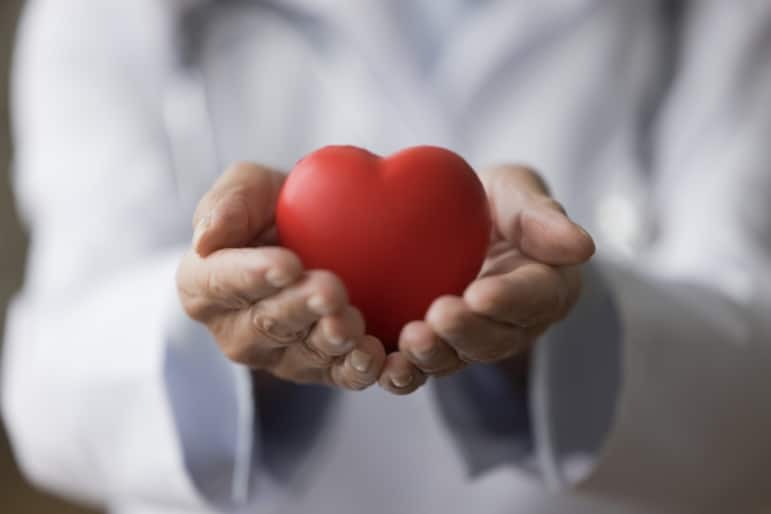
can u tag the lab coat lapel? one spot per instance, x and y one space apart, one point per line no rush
431 106
498 34
368 35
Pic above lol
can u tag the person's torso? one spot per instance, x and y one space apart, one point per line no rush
569 87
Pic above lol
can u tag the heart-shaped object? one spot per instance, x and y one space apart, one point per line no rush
399 231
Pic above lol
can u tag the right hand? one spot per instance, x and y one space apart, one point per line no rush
263 308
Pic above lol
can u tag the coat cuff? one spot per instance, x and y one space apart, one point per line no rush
212 407
486 415
242 439
575 382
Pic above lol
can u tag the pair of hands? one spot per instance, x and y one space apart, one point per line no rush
267 312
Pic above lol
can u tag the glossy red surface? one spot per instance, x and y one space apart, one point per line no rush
400 231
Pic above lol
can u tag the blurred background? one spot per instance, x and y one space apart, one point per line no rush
16 497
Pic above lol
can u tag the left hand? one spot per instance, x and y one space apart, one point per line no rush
530 279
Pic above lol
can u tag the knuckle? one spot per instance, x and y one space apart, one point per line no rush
314 356
495 296
266 326
197 307
252 276
446 316
215 284
317 359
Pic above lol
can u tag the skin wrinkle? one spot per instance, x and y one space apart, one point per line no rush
517 295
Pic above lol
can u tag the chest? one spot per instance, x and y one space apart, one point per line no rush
568 87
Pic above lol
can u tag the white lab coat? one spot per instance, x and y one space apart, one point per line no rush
111 395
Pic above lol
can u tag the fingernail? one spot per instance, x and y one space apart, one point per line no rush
278 278
361 361
424 354
319 305
200 229
583 231
337 341
403 381
343 347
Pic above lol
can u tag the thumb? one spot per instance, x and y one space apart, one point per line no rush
524 213
237 209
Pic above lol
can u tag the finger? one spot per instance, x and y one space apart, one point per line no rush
399 376
336 335
421 346
234 278
532 293
242 342
237 209
294 309
524 213
474 338
361 367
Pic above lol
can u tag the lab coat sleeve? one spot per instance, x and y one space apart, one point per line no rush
691 420
494 421
109 393
487 416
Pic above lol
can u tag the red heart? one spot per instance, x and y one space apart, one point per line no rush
399 231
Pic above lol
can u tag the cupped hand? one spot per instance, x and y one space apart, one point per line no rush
530 279
262 307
